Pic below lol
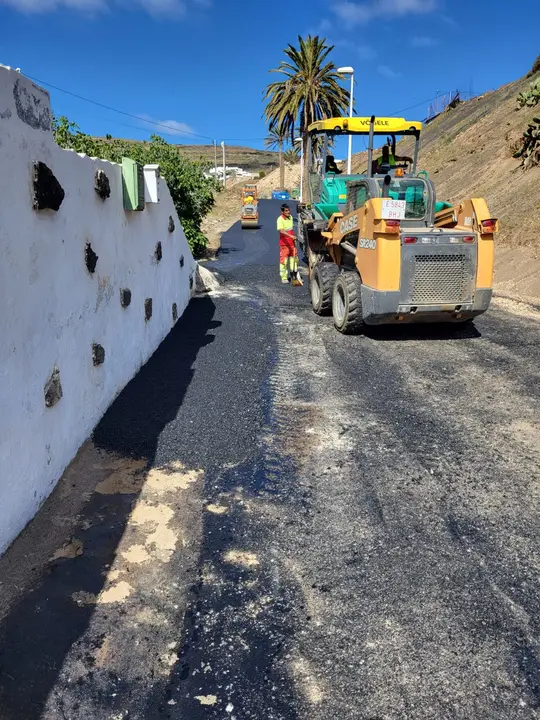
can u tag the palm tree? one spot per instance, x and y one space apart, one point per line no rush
309 91
292 155
277 136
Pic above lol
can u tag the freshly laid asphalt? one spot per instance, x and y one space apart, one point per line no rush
368 526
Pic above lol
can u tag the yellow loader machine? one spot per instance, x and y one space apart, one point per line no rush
380 247
250 209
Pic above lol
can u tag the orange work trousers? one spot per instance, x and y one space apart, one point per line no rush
288 256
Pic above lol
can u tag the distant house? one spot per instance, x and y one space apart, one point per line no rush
230 170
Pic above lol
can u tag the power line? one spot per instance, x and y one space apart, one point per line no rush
411 107
121 112
138 117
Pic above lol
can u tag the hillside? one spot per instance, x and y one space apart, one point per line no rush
271 181
244 157
467 153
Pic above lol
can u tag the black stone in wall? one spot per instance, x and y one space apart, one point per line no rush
125 297
90 258
98 354
102 185
48 193
148 309
53 388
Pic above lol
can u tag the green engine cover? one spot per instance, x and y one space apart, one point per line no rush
334 193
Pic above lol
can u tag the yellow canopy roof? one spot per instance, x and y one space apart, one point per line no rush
360 126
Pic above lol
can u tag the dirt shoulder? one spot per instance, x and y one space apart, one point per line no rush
225 213
517 273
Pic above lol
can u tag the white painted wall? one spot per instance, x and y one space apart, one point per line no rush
52 309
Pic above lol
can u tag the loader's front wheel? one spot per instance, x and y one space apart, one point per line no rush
347 303
321 283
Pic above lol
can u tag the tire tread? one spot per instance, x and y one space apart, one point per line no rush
325 274
352 285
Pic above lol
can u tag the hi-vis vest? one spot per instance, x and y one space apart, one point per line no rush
391 160
284 224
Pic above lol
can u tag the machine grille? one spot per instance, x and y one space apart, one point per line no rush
439 279
249 211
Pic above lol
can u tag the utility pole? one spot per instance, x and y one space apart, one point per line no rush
215 159
224 166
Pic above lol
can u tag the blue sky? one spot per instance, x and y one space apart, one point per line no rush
200 65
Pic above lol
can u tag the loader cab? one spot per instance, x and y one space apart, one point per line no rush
328 193
418 194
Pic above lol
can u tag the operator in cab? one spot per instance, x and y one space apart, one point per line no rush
331 165
388 158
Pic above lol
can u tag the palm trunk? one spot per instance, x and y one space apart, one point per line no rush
281 167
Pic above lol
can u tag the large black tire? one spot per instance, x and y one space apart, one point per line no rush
302 240
321 284
347 303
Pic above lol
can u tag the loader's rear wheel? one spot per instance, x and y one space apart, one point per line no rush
321 283
347 303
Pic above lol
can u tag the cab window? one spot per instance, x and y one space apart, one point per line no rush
413 191
360 196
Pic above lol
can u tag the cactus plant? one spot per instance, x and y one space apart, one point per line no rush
531 96
530 149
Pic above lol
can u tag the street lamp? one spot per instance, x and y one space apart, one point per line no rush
349 71
300 140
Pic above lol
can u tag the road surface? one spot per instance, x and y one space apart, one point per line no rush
359 524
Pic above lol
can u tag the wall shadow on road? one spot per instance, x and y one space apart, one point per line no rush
40 629
237 642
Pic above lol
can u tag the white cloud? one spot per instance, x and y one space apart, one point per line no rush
387 72
153 7
166 127
365 52
449 21
359 50
42 6
163 7
324 27
421 41
356 13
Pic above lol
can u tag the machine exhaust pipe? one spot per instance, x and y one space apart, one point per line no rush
348 247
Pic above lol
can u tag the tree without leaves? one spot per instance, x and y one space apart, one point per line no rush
309 91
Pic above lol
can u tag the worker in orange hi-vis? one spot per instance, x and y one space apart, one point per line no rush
288 255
